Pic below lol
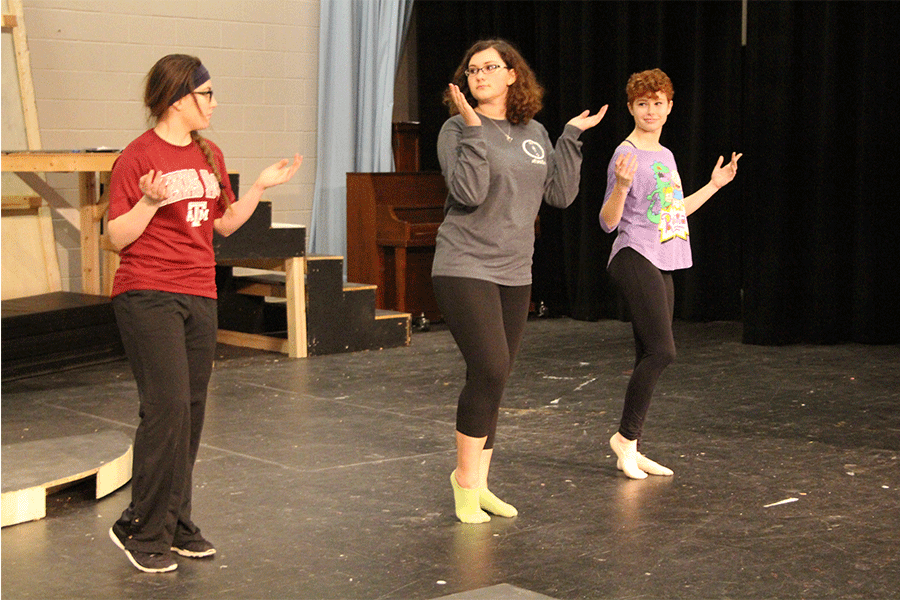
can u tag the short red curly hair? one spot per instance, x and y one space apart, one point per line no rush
648 84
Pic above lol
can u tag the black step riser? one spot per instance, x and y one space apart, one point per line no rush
338 319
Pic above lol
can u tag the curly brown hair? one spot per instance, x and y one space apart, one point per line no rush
648 83
172 77
525 94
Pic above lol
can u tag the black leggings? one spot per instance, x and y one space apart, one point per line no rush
650 296
487 321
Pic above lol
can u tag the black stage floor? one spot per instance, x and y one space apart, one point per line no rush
328 477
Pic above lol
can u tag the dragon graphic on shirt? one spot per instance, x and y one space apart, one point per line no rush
667 204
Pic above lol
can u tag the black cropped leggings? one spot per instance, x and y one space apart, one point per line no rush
650 296
487 321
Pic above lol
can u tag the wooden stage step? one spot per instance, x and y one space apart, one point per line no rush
340 316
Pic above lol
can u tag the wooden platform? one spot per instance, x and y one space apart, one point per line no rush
31 470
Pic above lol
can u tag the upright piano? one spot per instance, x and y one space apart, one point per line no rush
392 222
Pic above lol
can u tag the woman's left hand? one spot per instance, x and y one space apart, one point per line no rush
585 121
722 176
279 173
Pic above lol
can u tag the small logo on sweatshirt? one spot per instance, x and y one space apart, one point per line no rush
535 151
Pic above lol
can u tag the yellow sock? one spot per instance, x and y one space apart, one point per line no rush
495 505
468 508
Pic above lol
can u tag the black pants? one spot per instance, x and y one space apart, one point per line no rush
650 296
170 340
487 321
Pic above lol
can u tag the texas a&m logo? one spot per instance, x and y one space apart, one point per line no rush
197 213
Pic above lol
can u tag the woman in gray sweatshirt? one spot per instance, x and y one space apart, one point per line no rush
499 164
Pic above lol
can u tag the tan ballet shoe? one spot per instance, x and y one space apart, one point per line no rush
652 468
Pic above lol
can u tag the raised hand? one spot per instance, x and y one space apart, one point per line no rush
626 166
723 175
154 187
462 105
279 172
585 121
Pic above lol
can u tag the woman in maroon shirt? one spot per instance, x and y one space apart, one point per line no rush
168 193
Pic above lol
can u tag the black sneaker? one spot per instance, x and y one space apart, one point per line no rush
194 548
148 562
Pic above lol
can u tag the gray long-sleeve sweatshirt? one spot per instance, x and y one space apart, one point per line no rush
495 190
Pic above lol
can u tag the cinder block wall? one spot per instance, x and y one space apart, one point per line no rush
89 59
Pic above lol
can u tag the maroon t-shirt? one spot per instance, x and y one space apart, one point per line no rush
175 251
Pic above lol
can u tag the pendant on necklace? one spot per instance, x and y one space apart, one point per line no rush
506 135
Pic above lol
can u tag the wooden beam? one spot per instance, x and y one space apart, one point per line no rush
90 235
59 162
295 287
53 198
252 340
22 202
258 288
26 84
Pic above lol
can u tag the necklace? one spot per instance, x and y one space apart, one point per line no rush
508 137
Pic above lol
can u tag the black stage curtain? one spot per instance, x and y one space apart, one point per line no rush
748 261
821 229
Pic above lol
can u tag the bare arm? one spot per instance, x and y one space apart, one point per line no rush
238 213
126 228
611 213
721 176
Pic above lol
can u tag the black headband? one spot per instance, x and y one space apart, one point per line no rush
200 76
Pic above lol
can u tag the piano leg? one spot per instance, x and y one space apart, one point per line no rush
400 277
380 296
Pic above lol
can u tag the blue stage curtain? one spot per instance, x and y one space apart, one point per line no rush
359 49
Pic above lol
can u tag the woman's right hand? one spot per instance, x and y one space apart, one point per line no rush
127 227
154 187
462 105
626 166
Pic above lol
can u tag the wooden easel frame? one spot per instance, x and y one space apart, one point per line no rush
22 205
34 217
14 20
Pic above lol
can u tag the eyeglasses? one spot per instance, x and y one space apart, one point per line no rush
488 69
208 93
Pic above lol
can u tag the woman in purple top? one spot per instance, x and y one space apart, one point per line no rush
646 203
